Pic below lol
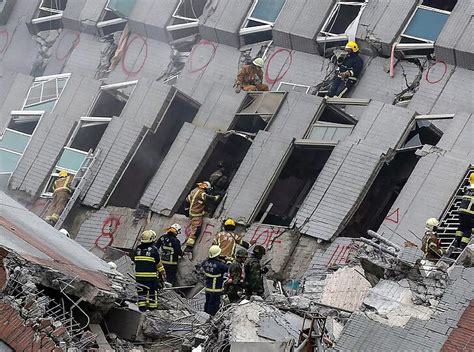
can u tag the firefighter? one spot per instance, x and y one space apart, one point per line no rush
254 273
466 216
250 77
170 251
228 240
348 71
61 193
430 243
235 284
149 271
214 270
197 204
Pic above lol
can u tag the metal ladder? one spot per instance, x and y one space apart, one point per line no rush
78 184
449 221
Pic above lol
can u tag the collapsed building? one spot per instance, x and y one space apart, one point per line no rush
135 99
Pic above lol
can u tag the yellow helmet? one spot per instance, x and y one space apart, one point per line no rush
214 251
431 224
471 178
148 236
258 62
229 222
63 173
353 46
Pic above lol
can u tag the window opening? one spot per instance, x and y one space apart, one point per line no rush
112 100
293 183
114 16
45 92
258 24
89 133
257 111
292 87
424 26
152 150
390 180
186 15
15 139
342 22
49 14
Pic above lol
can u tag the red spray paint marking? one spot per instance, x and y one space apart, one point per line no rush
266 236
109 227
394 216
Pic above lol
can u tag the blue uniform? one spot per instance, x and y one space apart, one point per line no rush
170 251
353 64
214 270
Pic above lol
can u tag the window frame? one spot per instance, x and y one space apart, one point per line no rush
265 25
192 22
101 24
294 85
325 36
57 14
41 81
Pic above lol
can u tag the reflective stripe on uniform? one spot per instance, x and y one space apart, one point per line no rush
146 274
214 278
171 252
170 262
465 239
213 275
140 258
214 289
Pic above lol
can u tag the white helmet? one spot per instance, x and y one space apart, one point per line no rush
177 227
258 62
65 232
431 224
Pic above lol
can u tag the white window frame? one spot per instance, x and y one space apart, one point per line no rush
427 41
192 22
294 86
58 14
41 80
324 124
102 24
331 37
87 121
266 25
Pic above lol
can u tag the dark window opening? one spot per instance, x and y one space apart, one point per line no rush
24 124
385 189
446 5
151 152
89 136
415 52
335 115
191 8
49 25
293 184
54 4
250 123
230 151
424 132
111 102
345 15
258 37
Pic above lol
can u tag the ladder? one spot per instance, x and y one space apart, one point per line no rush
449 221
78 184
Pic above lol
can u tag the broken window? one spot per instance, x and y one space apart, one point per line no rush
71 160
391 179
424 26
15 139
114 16
112 99
152 149
49 14
342 22
186 16
89 132
258 24
45 92
292 183
292 87
257 110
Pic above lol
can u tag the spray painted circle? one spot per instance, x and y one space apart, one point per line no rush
63 50
201 55
284 55
4 38
436 70
109 228
143 53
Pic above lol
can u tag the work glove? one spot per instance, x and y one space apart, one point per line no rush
345 74
264 270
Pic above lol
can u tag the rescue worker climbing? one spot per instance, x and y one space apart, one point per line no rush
235 284
466 216
347 72
250 77
430 243
214 270
254 273
197 204
219 182
149 271
61 193
228 240
170 251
